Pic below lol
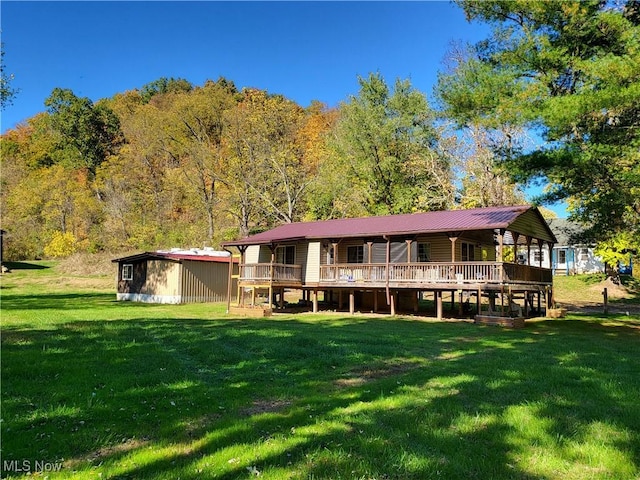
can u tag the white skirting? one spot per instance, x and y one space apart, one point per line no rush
146 298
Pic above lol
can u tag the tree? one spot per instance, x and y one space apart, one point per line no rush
571 72
267 175
87 133
386 149
164 85
199 125
7 92
484 181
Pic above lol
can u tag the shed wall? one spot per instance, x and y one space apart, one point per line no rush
205 281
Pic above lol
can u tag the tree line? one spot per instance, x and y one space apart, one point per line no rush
177 164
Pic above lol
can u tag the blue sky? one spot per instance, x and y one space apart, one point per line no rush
303 50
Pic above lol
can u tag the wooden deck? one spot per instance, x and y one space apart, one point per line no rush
429 275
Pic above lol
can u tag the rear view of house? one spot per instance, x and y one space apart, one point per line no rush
176 276
389 261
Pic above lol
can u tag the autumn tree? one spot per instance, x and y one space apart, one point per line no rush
199 123
569 71
267 173
484 183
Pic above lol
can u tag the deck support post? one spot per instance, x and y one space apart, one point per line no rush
526 304
393 297
340 299
375 301
479 301
352 302
253 296
438 295
315 300
281 299
460 305
416 299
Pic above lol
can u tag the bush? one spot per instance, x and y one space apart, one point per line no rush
61 245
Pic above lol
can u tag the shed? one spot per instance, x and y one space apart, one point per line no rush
176 276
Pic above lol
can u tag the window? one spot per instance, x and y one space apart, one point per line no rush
355 254
286 254
562 256
584 254
538 256
127 272
468 252
424 252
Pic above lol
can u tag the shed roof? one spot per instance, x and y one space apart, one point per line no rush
410 224
175 257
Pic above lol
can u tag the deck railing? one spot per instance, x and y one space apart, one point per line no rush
432 272
271 272
406 274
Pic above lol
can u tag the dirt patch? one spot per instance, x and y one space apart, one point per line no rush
259 407
98 456
360 376
614 290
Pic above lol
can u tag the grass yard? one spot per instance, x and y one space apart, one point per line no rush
99 389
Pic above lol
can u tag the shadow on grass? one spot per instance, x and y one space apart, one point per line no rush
61 301
24 266
349 397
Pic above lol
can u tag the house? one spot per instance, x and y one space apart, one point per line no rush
573 253
175 276
390 261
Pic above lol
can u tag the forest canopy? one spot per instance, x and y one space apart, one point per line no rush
176 164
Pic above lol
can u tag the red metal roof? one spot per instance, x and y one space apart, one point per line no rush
407 224
179 257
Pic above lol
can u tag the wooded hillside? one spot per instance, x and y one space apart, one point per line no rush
175 164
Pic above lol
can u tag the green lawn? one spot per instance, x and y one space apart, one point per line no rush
120 390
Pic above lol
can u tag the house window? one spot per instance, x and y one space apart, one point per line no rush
468 252
424 252
538 256
286 254
584 254
127 272
562 256
355 254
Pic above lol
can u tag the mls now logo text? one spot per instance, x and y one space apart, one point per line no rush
28 466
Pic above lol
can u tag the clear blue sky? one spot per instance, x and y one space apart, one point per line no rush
303 50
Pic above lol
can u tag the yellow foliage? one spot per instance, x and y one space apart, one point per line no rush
61 245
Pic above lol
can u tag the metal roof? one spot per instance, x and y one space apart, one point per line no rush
407 224
176 257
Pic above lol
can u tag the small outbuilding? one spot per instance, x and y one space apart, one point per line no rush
176 276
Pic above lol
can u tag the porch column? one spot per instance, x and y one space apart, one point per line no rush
540 242
369 252
550 244
453 240
409 242
515 246
500 244
335 252
529 250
